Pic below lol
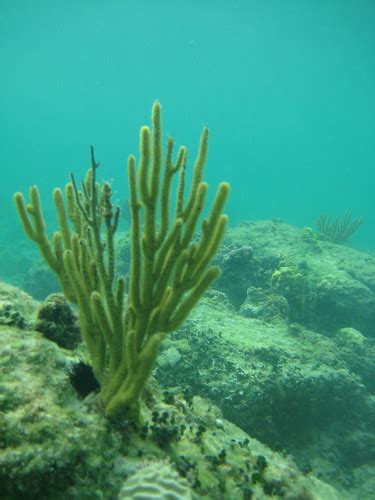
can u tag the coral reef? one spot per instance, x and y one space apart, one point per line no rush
54 445
326 289
296 376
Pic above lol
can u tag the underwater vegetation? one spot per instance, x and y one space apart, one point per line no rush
338 229
169 272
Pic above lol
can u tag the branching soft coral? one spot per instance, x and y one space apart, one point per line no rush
123 326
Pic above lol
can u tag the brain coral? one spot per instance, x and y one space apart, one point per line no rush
157 481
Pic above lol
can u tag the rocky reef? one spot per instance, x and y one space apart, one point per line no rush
267 390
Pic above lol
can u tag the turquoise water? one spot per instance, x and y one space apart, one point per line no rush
284 343
286 88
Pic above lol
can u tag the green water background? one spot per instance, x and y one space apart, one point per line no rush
287 89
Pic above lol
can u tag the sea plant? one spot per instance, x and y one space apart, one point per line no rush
338 229
124 322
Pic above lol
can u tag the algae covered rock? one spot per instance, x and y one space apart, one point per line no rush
54 445
262 304
48 442
291 388
350 338
345 301
17 308
327 286
57 322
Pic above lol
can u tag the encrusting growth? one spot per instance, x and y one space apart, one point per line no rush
124 325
